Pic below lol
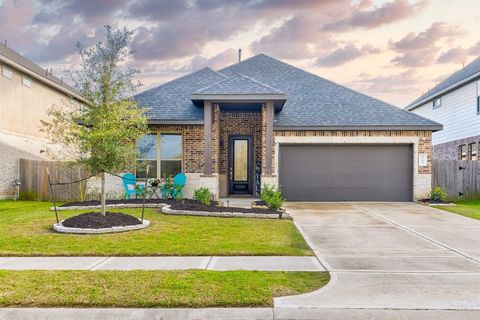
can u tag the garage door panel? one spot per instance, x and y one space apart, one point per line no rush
346 172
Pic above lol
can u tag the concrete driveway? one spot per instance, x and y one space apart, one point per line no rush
388 261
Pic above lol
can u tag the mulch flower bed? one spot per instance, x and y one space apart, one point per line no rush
95 220
191 205
185 204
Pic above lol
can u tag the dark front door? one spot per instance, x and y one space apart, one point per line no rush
240 164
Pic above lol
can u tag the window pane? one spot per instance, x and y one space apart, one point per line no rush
171 167
26 82
240 162
142 169
472 150
7 73
171 146
147 147
463 152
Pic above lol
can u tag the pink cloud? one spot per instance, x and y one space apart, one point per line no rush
420 49
385 14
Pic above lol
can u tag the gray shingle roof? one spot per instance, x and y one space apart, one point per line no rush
239 84
453 81
311 100
171 101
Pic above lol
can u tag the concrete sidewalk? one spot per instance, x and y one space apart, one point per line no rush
228 314
268 263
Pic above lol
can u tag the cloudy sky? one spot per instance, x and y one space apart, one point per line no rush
393 49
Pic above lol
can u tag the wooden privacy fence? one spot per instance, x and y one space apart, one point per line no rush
459 178
34 180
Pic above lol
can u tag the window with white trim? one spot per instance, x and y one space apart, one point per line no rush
27 82
162 152
437 103
7 73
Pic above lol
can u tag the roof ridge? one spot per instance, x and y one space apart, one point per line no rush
20 59
260 82
241 62
237 74
180 78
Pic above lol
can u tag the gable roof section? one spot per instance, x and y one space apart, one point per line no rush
469 73
239 87
239 84
170 102
312 102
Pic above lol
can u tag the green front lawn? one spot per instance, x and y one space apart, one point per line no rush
26 230
467 208
148 289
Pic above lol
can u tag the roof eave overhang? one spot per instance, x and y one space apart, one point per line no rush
41 79
448 89
279 99
433 127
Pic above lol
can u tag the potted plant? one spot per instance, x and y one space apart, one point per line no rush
155 182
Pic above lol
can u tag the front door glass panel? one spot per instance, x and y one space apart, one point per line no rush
240 163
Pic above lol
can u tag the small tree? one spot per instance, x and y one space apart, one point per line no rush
103 131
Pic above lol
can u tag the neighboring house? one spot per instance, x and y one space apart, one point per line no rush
26 93
264 121
455 103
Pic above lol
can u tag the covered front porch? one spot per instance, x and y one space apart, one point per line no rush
238 142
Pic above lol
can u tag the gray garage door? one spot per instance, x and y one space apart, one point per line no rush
346 172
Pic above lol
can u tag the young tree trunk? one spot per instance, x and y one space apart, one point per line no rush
102 195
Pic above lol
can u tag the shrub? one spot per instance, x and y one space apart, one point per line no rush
437 194
167 187
178 193
203 195
272 196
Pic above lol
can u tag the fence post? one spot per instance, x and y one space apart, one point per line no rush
53 195
145 191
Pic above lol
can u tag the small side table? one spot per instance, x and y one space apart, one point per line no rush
154 191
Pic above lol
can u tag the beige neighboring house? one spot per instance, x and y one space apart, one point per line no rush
27 91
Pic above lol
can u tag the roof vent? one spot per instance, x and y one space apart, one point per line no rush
239 55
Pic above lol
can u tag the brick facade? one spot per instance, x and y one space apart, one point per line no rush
239 123
225 124
264 142
424 144
449 150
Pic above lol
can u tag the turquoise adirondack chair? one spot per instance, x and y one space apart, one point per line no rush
179 182
130 184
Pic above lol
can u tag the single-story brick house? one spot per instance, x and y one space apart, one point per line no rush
264 121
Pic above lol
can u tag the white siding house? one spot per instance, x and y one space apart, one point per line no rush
454 103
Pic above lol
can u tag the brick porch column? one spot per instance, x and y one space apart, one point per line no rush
207 129
267 138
